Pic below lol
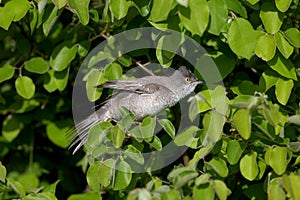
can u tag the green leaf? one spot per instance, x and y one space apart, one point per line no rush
295 119
293 36
275 190
19 8
59 3
2 173
242 37
265 47
95 78
283 5
16 186
6 17
195 17
278 159
123 176
51 19
25 87
221 189
224 63
125 60
237 7
156 143
187 136
242 122
202 179
85 196
167 45
160 10
62 56
268 79
184 177
234 151
29 181
117 135
218 16
283 89
51 188
168 127
57 132
6 72
283 46
219 166
147 127
283 66
93 177
83 48
204 192
54 80
248 166
182 2
119 8
292 185
37 65
11 127
81 9
139 193
214 121
271 18
134 154
113 71
253 2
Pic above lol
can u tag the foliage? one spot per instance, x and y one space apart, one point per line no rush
250 152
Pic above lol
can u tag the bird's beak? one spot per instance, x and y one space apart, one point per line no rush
199 82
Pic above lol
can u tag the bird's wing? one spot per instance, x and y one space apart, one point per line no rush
134 86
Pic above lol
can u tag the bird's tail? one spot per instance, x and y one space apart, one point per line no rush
79 133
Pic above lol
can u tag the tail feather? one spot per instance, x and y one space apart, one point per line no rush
79 133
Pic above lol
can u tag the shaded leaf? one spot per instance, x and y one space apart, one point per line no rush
37 65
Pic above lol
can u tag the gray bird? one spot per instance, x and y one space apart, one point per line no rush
144 96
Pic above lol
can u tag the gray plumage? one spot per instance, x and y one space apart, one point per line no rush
144 96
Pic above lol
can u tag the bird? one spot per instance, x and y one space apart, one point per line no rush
145 96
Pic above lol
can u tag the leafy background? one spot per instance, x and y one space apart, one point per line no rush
255 146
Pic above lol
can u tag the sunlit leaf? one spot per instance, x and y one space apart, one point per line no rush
242 37
6 72
265 47
25 87
81 9
242 122
195 17
283 90
248 166
271 18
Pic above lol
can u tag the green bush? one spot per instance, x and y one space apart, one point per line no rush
246 145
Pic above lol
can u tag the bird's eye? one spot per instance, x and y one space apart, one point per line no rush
187 79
